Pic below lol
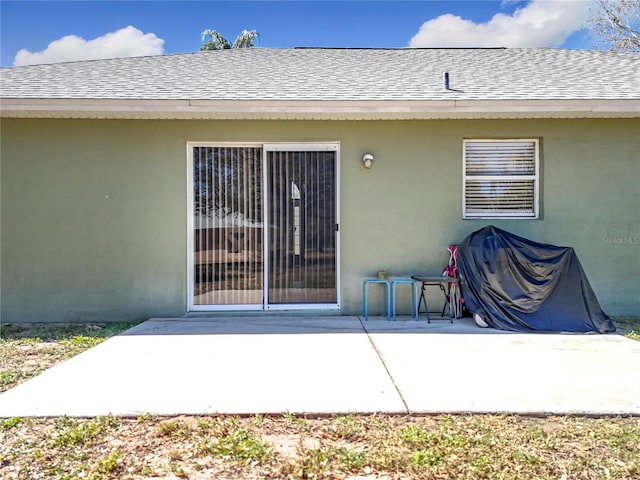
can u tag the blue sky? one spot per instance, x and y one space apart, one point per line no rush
47 31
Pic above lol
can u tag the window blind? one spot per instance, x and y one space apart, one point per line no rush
500 178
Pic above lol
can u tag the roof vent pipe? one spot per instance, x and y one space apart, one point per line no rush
445 80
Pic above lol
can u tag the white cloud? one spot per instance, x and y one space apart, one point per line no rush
126 42
540 23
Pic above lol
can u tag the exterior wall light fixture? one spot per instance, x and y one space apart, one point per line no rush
367 160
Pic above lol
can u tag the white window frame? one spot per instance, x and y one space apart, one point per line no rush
493 214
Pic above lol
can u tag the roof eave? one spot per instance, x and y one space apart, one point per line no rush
316 110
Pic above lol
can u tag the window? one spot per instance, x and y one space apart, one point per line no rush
500 179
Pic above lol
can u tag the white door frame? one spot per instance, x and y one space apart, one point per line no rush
300 147
264 306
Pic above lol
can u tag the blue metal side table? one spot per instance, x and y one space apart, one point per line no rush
365 295
414 304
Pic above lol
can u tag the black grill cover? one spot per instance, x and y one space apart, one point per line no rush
520 285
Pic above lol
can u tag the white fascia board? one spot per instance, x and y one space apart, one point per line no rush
316 109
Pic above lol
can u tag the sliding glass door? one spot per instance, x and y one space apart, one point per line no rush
227 257
263 248
301 199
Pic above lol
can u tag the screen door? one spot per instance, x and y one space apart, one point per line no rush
302 214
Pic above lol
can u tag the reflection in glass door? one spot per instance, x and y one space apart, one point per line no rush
227 226
301 199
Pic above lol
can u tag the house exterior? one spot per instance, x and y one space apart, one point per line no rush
234 180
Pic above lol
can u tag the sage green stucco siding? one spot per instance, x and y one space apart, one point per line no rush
94 212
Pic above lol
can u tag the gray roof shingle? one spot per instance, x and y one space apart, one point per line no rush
337 74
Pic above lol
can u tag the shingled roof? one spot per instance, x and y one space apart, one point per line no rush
309 83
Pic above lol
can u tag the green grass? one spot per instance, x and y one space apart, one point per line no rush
9 378
70 432
488 447
633 336
61 331
226 438
29 349
240 446
628 326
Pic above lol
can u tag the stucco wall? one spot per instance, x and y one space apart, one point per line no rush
94 213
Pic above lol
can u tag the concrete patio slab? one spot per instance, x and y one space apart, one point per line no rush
209 366
518 373
406 324
325 365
